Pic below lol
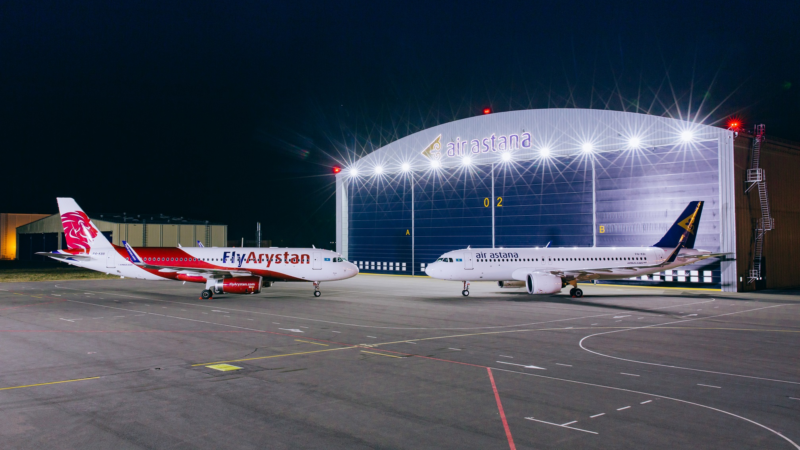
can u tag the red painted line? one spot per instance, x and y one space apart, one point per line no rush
502 414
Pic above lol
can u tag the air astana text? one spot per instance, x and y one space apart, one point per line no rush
491 143
496 255
268 259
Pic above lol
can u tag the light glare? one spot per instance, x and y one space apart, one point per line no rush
687 136
506 157
467 161
544 152
405 167
378 170
587 147
353 172
435 164
634 142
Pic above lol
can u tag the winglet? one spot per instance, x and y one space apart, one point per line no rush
134 257
200 244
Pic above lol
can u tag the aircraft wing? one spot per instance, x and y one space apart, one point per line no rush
208 273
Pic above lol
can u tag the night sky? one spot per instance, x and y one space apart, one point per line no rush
236 111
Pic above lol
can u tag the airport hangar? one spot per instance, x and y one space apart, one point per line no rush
575 178
148 230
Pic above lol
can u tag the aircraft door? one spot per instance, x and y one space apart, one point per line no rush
468 260
317 261
110 261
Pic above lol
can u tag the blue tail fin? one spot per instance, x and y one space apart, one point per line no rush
684 231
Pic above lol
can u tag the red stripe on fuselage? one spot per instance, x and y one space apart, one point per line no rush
190 262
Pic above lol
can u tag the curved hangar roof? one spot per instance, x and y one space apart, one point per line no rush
530 134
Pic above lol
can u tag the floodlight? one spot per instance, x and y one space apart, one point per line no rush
378 170
634 142
467 161
544 152
435 164
353 172
587 147
505 156
405 167
687 136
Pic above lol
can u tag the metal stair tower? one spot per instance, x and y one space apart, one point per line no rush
756 179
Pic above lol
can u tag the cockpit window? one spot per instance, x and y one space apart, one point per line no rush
449 259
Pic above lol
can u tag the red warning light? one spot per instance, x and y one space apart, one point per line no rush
337 169
734 124
487 111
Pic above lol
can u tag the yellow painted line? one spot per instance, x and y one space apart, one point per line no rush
275 356
309 342
381 354
224 367
45 384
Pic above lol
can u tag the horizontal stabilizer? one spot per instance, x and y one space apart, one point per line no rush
65 256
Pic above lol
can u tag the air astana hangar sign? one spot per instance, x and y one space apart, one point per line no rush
493 143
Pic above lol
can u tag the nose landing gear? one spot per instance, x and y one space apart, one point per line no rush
317 293
465 292
207 294
576 293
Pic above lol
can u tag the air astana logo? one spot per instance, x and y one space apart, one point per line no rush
78 230
434 150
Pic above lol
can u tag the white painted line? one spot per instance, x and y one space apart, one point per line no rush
506 356
648 401
303 327
276 323
629 374
521 365
372 337
68 320
792 398
565 365
594 324
708 385
624 407
456 349
293 330
335 331
568 423
249 319
562 426
620 317
597 415
408 342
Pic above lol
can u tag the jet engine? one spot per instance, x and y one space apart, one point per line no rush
237 285
511 284
543 284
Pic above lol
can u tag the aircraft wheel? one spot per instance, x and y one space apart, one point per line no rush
465 293
572 292
578 293
317 293
207 294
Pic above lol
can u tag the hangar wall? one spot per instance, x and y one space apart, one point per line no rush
781 163
8 233
615 194
46 234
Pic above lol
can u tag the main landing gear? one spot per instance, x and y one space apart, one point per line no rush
317 293
576 293
207 294
465 292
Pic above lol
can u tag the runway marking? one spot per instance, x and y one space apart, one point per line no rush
335 331
500 410
45 384
562 426
521 365
381 354
293 330
309 342
629 374
654 395
456 349
580 344
276 356
565 365
643 403
69 320
569 423
597 415
620 317
224 367
792 398
708 385
506 356
624 407
373 337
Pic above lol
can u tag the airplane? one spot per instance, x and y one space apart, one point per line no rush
224 270
548 270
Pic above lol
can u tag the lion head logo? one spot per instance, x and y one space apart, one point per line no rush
78 230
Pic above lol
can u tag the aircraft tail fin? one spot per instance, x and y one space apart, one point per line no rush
79 231
684 231
200 244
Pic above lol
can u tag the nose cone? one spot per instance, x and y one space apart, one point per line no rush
433 270
352 268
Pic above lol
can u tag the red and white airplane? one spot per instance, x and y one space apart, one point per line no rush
228 270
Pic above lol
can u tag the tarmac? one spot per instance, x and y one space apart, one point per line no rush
395 362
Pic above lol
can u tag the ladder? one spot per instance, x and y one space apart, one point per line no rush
757 179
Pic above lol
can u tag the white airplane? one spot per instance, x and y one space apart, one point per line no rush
548 270
227 270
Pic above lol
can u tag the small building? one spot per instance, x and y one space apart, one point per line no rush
141 230
8 231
